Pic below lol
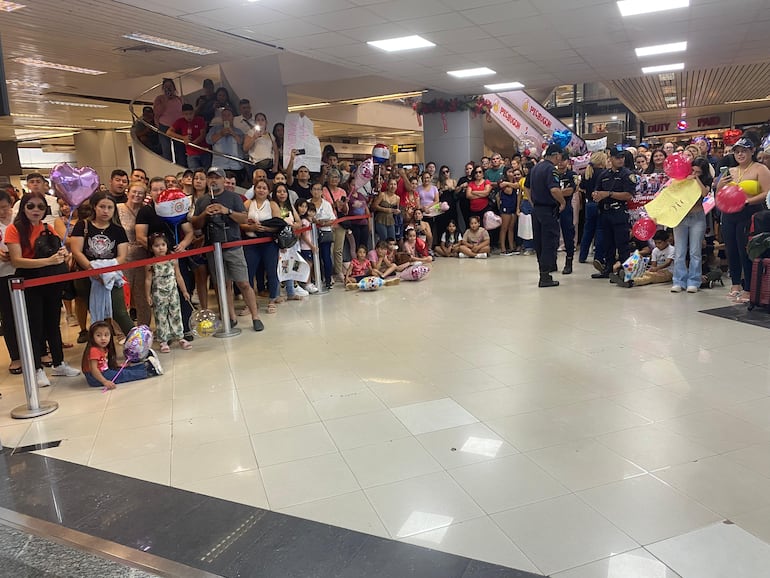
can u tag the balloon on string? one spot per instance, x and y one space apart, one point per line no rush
173 206
364 173
644 229
204 323
74 185
677 166
380 154
731 136
138 343
562 138
731 199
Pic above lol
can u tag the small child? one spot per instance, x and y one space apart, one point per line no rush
662 261
383 266
393 252
416 248
100 365
475 243
450 241
161 287
359 268
306 212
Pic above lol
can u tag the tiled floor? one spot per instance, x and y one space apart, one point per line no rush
563 431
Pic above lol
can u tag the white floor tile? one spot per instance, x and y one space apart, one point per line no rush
243 487
287 445
279 414
497 403
535 430
756 458
464 445
75 450
352 511
717 431
150 467
584 464
422 504
507 482
562 533
714 552
390 461
307 480
203 404
133 416
428 416
398 392
647 509
466 381
657 403
596 417
323 387
215 427
12 434
131 443
355 403
757 522
361 430
634 564
59 428
479 539
211 460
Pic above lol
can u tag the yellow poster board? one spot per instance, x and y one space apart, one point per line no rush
674 202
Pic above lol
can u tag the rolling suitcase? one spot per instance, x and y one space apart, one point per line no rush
759 294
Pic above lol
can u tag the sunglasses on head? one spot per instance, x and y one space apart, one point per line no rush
32 206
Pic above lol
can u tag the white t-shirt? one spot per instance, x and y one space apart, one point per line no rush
5 267
660 257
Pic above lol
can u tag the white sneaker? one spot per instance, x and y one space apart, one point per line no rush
41 378
153 360
676 289
692 289
311 288
64 370
300 291
462 255
481 256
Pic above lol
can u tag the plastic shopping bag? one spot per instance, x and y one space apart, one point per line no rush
525 227
291 265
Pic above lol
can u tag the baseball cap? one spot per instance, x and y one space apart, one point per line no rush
553 149
219 172
618 151
745 142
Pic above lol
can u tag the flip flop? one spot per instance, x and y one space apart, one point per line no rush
14 370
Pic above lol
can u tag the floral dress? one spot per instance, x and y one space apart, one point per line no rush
165 301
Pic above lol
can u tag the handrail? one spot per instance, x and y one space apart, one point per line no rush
179 140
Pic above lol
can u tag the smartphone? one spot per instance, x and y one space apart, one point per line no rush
300 152
226 123
723 171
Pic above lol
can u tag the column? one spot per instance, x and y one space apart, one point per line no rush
260 81
103 151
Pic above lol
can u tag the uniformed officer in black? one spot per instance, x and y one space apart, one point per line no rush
614 188
547 204
568 180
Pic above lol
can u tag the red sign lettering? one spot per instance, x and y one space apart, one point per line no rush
661 127
539 116
510 118
709 121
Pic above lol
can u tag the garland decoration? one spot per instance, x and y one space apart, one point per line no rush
475 104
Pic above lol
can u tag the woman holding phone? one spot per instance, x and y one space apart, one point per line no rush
260 145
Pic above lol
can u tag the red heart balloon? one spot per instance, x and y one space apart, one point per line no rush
731 136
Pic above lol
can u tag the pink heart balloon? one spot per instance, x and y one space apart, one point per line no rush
74 185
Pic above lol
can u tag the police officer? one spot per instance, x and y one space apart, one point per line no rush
568 180
547 204
615 187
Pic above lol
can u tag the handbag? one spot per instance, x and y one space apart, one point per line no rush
286 237
46 245
325 236
525 227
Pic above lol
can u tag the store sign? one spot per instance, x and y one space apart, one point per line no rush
511 120
699 124
406 148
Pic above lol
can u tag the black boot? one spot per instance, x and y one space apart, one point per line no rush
547 281
567 267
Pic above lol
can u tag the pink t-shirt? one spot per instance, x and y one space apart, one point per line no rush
358 268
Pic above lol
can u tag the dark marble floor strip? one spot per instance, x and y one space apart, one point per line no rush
36 447
759 317
216 536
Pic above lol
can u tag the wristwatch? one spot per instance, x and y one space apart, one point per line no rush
229 211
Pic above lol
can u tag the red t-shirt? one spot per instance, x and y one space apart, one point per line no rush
192 129
478 205
12 236
98 354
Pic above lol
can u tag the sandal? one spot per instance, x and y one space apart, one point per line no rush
271 308
164 348
184 344
279 299
295 298
47 361
733 294
14 370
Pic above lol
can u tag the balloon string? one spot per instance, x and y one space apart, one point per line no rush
117 375
67 229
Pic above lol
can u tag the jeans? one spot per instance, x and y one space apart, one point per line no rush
735 232
129 373
179 155
325 249
616 230
592 232
399 224
266 254
567 225
692 229
385 232
545 226
361 237
526 209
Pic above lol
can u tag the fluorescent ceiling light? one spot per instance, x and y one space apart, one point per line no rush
471 72
10 6
748 100
402 43
23 115
613 117
56 66
504 86
80 104
661 49
663 68
382 97
634 7
299 107
25 83
165 43
113 120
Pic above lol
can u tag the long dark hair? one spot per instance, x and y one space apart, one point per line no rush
22 222
97 198
112 357
283 205
705 170
651 166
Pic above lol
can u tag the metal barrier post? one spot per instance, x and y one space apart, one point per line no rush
371 233
317 261
224 310
34 406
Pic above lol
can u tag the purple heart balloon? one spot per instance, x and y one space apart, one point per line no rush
74 185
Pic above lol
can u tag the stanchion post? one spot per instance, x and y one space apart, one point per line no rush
34 406
219 269
371 234
317 261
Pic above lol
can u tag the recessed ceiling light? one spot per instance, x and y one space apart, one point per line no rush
299 107
663 68
614 117
80 104
10 6
113 120
402 43
65 67
634 7
504 86
165 43
24 115
470 72
749 100
661 49
382 97
25 83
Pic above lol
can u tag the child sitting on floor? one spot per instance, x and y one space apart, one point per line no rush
100 366
475 243
450 241
359 268
661 263
416 248
383 266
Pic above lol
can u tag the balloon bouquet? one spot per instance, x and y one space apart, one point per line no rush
74 186
173 206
